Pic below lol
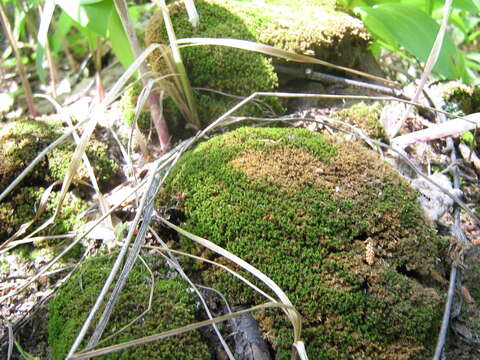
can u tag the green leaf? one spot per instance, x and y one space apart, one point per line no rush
119 41
91 15
63 26
404 25
468 138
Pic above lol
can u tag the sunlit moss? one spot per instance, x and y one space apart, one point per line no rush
21 141
366 118
305 211
288 25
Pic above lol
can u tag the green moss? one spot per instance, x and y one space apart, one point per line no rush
174 305
366 118
21 141
22 207
458 98
128 104
104 166
336 228
338 38
216 67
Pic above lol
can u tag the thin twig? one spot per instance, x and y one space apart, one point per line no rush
457 232
309 74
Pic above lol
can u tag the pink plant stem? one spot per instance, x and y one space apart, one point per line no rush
153 99
159 120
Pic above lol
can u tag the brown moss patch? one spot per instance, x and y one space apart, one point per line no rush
286 167
290 168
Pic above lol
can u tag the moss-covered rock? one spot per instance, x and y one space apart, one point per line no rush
22 207
173 306
335 227
366 118
21 141
338 38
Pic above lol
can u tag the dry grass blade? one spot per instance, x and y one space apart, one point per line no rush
110 97
237 275
432 59
174 332
186 88
10 340
174 88
149 307
174 264
37 159
40 210
273 51
86 161
144 213
32 240
116 266
92 123
292 314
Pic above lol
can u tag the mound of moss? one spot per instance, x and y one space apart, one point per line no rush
173 306
22 140
366 118
22 207
287 25
20 143
335 227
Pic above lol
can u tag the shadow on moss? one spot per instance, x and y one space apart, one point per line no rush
174 305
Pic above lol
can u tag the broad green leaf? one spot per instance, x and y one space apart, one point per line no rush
119 41
467 5
404 25
62 27
93 16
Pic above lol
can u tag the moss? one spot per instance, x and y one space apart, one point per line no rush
104 166
173 306
128 104
366 118
308 213
458 98
338 38
22 207
21 141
